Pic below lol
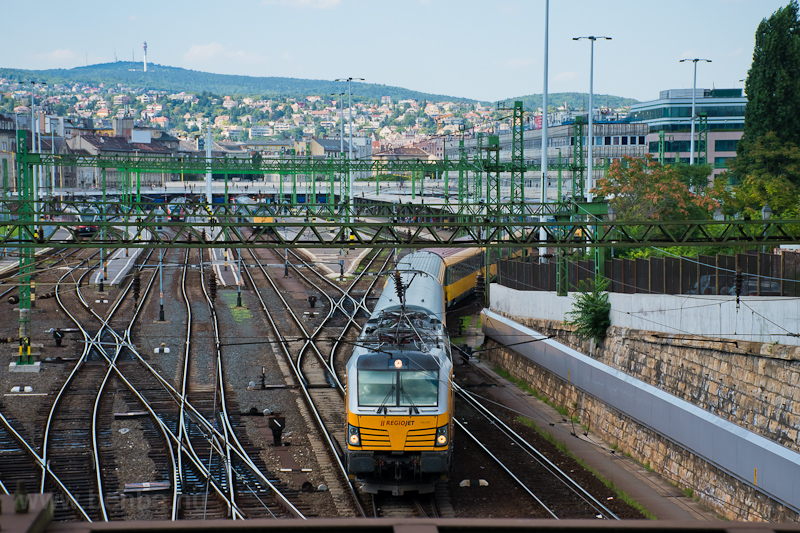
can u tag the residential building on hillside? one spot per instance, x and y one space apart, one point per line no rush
722 112
328 148
260 131
107 146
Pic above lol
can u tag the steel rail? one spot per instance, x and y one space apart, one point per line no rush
201 421
112 363
45 468
301 380
551 467
220 387
338 305
87 346
229 433
185 373
504 467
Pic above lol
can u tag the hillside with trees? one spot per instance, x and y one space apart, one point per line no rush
173 79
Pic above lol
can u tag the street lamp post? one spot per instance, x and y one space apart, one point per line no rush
350 127
694 98
589 180
38 169
341 131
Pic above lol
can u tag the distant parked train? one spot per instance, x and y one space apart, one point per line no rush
252 212
83 220
399 402
176 209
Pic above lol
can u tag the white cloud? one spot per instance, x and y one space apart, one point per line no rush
133 18
565 76
59 54
303 4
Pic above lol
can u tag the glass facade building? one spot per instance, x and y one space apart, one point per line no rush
722 112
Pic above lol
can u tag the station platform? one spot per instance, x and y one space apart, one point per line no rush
9 257
433 192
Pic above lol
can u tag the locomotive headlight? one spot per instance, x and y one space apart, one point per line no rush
441 436
353 436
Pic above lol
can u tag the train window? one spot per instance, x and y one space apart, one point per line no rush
376 388
419 388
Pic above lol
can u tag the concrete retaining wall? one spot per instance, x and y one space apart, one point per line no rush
751 384
758 319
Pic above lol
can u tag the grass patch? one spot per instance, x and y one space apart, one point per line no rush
562 446
240 314
524 385
505 374
689 492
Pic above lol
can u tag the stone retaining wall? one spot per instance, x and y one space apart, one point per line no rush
750 384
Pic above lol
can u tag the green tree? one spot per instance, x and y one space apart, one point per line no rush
643 189
773 81
769 175
695 176
591 311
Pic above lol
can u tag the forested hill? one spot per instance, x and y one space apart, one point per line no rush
579 101
173 80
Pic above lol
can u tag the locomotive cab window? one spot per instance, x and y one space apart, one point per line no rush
418 388
376 388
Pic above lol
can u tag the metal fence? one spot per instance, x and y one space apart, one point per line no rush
763 274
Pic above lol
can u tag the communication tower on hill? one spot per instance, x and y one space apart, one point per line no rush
145 56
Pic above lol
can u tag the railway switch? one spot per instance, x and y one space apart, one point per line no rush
58 337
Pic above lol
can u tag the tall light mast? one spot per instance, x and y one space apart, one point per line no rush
145 55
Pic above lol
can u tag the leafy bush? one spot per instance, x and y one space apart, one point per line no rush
591 312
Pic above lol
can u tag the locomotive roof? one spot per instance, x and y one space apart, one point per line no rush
411 359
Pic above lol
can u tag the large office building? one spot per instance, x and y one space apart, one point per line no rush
718 126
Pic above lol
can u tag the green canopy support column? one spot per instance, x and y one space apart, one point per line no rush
331 194
578 164
446 178
413 184
103 233
294 180
559 199
477 186
562 265
5 179
26 255
313 185
463 183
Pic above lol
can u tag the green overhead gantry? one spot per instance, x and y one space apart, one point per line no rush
474 220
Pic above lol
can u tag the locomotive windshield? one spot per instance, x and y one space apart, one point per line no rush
379 388
376 388
418 388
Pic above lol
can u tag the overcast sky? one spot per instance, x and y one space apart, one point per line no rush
467 48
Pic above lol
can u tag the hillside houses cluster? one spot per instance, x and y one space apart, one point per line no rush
106 120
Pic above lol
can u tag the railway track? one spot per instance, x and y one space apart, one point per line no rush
302 344
526 465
